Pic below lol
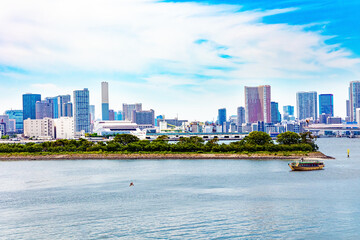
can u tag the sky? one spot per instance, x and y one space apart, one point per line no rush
180 58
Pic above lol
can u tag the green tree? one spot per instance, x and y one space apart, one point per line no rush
125 139
258 138
192 139
288 138
163 138
308 138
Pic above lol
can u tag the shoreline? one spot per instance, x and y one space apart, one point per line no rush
134 156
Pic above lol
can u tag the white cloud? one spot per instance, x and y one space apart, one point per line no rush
156 41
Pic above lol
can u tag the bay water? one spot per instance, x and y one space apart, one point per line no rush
182 199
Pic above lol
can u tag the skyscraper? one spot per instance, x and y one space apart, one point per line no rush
144 117
54 102
287 112
81 110
111 115
68 109
105 100
92 113
44 109
240 116
354 92
306 105
326 104
275 113
62 101
18 116
221 116
257 104
29 103
128 110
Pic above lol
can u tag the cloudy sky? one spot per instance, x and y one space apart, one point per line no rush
185 58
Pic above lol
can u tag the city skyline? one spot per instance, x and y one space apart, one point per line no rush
167 58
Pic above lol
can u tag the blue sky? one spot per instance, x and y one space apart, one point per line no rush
185 58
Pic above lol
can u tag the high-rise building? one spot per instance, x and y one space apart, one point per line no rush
306 103
111 115
326 104
275 113
29 103
257 104
288 111
68 109
44 109
128 110
118 115
18 116
62 104
240 116
54 102
105 100
4 119
92 113
347 108
82 110
144 118
222 116
354 92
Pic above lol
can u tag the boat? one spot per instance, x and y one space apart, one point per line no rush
306 165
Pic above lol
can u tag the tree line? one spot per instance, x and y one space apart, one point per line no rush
254 142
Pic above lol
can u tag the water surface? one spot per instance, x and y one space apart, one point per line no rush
182 199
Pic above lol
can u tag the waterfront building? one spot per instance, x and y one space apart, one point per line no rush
306 105
323 118
39 128
4 119
92 113
334 120
222 117
29 103
144 119
275 113
348 108
175 122
354 92
64 128
12 125
104 128
111 115
62 101
128 110
246 128
158 119
240 117
68 109
55 106
118 115
44 109
17 115
2 129
326 104
288 112
82 110
257 104
105 100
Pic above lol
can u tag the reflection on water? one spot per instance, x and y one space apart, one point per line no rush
182 198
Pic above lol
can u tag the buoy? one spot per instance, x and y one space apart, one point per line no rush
348 151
